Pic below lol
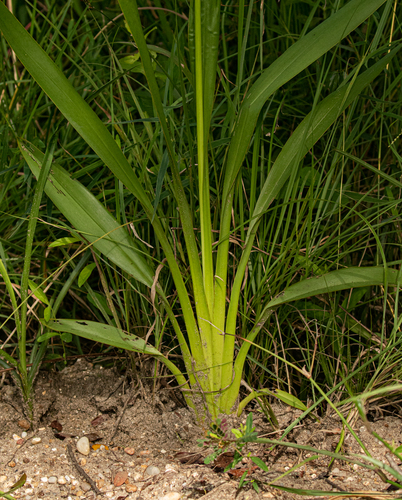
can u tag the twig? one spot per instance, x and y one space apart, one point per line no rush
81 470
334 485
116 428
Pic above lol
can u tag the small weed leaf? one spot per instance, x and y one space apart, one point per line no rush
85 274
262 465
64 241
19 484
47 313
38 292
290 400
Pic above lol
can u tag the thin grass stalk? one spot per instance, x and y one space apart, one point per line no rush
22 368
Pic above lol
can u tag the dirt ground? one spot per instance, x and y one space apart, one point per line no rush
143 448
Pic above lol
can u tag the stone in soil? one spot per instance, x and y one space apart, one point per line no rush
83 445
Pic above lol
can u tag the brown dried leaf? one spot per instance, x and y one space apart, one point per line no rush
56 425
98 420
224 460
92 437
120 477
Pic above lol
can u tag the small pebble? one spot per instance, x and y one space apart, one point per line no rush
62 480
24 424
144 452
26 460
16 437
129 451
44 479
83 446
173 495
24 435
83 462
349 479
11 464
131 488
85 486
151 470
136 476
52 480
36 440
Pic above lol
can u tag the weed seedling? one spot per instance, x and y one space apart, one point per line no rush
219 439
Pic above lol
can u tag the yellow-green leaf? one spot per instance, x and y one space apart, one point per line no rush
38 292
85 274
63 241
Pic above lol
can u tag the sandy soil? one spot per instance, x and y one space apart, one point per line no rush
143 447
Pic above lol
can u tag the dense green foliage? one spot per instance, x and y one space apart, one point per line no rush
295 180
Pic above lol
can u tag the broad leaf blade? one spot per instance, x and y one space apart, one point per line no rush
344 279
300 55
310 130
106 334
77 111
90 217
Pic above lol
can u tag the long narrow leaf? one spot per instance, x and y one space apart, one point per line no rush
300 55
90 217
90 127
344 279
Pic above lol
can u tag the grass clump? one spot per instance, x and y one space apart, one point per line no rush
228 176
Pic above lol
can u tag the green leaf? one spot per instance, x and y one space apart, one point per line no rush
344 279
38 292
260 463
242 479
237 433
64 241
47 313
249 424
46 336
8 358
309 131
300 55
85 274
66 337
19 484
90 217
290 400
105 334
129 61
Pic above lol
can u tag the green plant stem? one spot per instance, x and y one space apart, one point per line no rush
43 176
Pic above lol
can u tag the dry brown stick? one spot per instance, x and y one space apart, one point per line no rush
81 470
116 427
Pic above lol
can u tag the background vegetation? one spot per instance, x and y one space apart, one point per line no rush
340 207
